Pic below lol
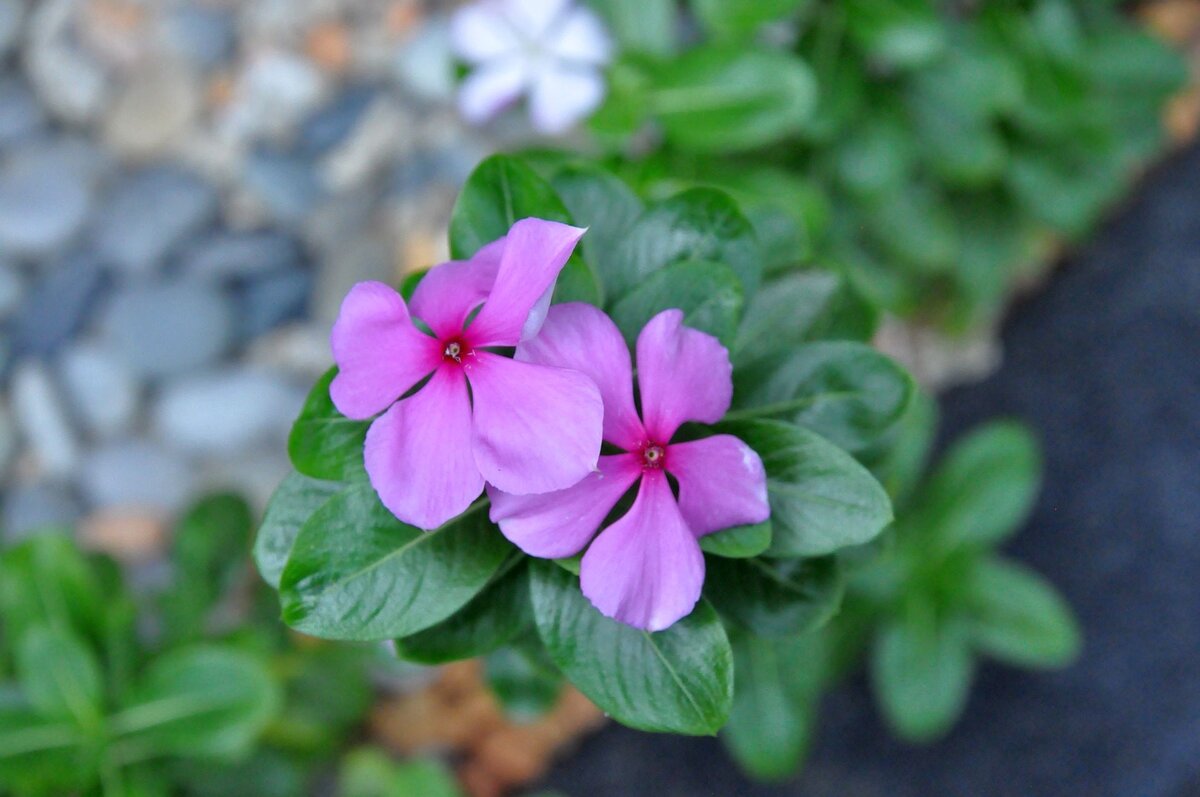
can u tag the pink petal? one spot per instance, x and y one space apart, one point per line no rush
534 18
581 337
537 428
481 32
418 453
581 38
721 483
378 351
534 252
684 375
558 524
448 293
562 95
491 88
645 570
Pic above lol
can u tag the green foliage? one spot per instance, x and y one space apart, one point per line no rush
324 444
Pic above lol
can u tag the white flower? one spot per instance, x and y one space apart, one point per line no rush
552 50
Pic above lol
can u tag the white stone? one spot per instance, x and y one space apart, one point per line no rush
43 420
100 387
152 111
135 474
273 94
70 83
226 411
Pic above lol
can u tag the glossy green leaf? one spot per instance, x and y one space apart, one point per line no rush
358 573
900 462
775 703
983 489
490 619
821 498
718 99
921 670
608 208
1016 616
640 26
845 391
203 701
678 681
904 33
294 502
802 307
46 581
741 19
323 443
698 224
775 597
739 542
524 680
60 676
709 294
501 191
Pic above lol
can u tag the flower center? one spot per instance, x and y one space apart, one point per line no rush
653 456
454 351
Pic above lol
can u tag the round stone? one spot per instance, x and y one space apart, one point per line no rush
101 389
43 204
135 473
20 115
151 111
58 305
170 328
43 420
39 507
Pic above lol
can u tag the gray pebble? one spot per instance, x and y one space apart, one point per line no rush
168 328
43 420
20 115
100 388
224 255
204 36
58 305
135 473
12 19
40 507
150 212
285 184
226 411
12 288
271 300
43 203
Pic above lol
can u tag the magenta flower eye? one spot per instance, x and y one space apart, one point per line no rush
429 454
646 569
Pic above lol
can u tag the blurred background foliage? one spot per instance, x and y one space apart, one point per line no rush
937 152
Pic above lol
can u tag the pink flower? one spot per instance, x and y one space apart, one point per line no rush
550 49
524 427
646 569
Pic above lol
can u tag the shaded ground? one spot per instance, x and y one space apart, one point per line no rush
1105 363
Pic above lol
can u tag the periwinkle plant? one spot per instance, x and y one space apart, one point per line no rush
635 542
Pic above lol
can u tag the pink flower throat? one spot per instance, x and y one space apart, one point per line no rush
654 456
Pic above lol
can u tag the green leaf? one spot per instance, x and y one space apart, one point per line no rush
716 99
677 681
983 489
799 308
209 558
1016 616
739 542
698 224
904 33
524 680
821 498
44 757
490 619
778 683
204 701
501 191
741 19
46 581
640 26
901 461
372 773
294 502
358 573
775 597
323 443
845 391
608 208
921 670
709 294
60 676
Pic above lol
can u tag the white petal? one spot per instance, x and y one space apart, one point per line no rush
581 38
563 96
534 18
482 32
487 90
